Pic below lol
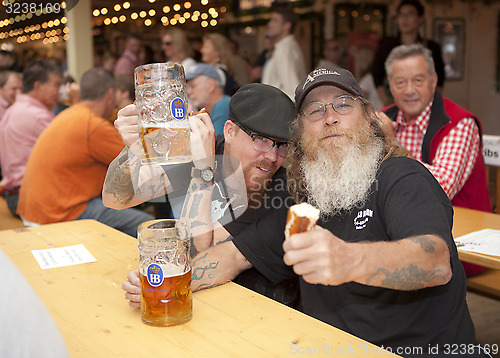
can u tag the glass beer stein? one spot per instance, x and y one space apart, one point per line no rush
165 272
161 100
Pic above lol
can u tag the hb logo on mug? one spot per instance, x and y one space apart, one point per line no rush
155 275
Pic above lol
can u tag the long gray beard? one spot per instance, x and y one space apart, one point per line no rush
339 181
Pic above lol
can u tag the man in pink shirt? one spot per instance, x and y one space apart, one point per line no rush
23 122
11 84
129 60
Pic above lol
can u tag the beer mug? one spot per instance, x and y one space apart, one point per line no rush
165 272
161 99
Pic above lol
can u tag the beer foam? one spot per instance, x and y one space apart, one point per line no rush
169 269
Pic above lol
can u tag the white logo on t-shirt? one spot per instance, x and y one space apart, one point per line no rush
362 218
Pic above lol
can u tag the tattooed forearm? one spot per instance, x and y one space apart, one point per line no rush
414 263
229 238
203 273
408 278
427 244
195 205
118 178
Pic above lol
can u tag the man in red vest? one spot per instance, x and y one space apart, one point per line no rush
445 137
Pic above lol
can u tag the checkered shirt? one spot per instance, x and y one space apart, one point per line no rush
455 156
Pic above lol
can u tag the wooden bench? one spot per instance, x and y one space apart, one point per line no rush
7 220
486 283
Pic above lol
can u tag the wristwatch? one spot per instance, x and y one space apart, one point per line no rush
205 174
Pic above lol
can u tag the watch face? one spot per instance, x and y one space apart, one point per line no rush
207 175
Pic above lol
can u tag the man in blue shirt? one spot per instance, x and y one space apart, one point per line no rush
205 90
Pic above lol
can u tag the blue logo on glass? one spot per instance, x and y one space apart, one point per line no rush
177 108
155 275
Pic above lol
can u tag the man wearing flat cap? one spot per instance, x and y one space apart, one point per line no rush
221 194
205 90
381 263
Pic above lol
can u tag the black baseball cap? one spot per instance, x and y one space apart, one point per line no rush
263 109
336 76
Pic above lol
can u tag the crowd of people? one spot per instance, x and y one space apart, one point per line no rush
381 263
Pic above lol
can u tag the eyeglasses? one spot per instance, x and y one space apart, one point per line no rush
167 43
314 111
264 144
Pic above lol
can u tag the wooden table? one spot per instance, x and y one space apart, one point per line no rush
89 308
466 221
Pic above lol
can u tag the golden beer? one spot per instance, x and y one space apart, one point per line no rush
161 101
162 144
169 303
165 272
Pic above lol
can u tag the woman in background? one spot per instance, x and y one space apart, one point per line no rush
177 48
217 52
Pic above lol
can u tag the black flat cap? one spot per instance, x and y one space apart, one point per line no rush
338 77
262 109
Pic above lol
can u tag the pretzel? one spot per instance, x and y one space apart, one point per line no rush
193 113
301 217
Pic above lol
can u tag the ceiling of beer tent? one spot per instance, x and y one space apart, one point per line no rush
44 20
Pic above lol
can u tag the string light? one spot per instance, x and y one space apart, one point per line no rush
28 33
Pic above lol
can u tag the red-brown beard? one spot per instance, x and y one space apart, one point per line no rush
257 184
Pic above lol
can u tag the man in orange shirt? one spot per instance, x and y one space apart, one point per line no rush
66 170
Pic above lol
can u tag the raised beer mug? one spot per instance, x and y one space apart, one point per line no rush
165 272
161 100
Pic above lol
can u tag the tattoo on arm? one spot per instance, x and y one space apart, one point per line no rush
203 269
408 278
411 277
193 212
229 238
426 243
118 178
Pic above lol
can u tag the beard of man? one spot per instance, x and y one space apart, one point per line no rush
337 178
257 184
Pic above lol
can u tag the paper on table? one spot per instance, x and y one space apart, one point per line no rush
63 256
486 241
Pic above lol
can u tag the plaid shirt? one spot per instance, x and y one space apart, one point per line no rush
455 156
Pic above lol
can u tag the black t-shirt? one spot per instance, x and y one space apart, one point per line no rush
236 219
404 201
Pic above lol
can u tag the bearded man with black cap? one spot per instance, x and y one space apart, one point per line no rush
234 180
381 264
